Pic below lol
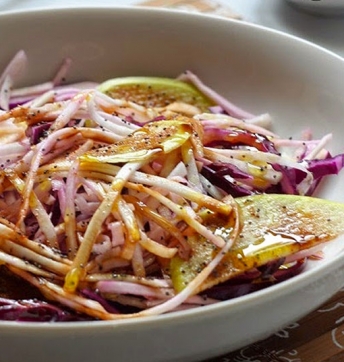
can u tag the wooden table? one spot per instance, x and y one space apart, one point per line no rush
318 337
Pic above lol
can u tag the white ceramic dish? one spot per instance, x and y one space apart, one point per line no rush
299 83
320 7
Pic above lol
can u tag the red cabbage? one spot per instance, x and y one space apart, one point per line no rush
35 311
255 280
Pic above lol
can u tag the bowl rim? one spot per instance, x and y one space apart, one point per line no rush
77 9
239 303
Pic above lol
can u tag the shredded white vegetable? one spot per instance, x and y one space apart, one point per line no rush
99 194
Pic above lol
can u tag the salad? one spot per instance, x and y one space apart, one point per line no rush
141 196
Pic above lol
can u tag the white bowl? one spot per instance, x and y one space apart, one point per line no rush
299 84
320 7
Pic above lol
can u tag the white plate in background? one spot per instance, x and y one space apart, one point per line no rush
321 7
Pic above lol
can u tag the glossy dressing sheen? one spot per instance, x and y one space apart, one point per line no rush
274 227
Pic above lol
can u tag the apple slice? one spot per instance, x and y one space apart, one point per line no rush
155 91
273 227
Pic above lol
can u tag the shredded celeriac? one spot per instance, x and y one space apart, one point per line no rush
99 193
